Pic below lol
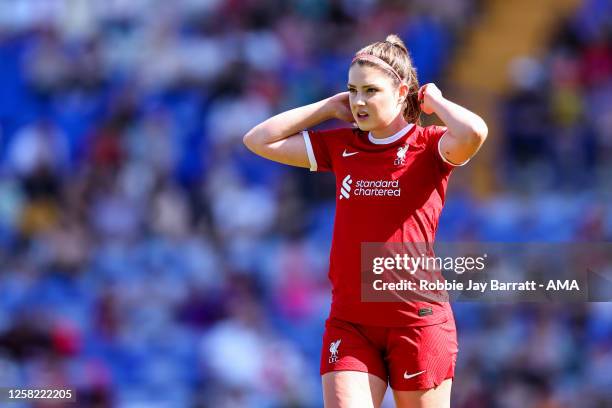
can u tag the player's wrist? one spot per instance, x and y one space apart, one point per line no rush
335 110
332 108
436 102
437 97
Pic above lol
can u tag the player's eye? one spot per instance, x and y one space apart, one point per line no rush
352 90
372 90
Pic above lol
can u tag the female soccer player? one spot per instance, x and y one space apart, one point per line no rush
391 176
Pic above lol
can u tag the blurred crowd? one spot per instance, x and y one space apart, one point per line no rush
148 259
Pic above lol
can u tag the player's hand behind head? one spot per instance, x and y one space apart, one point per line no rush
340 107
427 94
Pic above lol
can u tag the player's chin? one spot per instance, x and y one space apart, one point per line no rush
365 124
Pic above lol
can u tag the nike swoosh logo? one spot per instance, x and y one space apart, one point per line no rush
347 154
409 376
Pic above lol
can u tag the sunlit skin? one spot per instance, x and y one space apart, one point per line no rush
373 92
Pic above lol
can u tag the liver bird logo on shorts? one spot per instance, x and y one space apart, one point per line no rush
333 349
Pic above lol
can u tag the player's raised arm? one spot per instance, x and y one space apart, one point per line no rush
279 137
466 130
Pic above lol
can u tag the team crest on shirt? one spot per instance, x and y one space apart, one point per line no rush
401 155
333 350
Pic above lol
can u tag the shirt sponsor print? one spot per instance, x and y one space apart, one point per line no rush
369 188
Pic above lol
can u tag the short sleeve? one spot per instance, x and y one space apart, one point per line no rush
318 148
434 136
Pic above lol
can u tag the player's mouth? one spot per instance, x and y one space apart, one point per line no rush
362 115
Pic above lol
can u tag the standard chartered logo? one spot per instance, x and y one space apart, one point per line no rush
368 188
345 190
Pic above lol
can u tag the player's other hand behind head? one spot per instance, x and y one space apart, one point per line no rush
340 106
427 94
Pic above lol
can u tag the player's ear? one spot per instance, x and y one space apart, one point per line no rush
403 91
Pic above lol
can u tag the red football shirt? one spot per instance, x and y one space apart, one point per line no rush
387 190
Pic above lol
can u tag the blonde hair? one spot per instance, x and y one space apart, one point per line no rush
393 52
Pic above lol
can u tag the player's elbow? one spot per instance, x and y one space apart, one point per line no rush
247 140
481 131
253 140
478 133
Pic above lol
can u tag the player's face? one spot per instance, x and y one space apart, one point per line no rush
374 100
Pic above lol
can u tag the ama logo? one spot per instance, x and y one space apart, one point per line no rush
345 189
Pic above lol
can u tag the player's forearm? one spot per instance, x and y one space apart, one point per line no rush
462 123
288 123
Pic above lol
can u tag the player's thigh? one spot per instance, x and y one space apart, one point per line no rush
352 389
438 397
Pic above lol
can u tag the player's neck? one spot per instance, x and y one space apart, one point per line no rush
398 124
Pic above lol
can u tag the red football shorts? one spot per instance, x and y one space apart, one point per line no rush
409 358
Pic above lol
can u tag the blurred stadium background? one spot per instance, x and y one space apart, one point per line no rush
148 260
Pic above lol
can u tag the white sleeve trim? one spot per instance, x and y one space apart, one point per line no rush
309 151
444 158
